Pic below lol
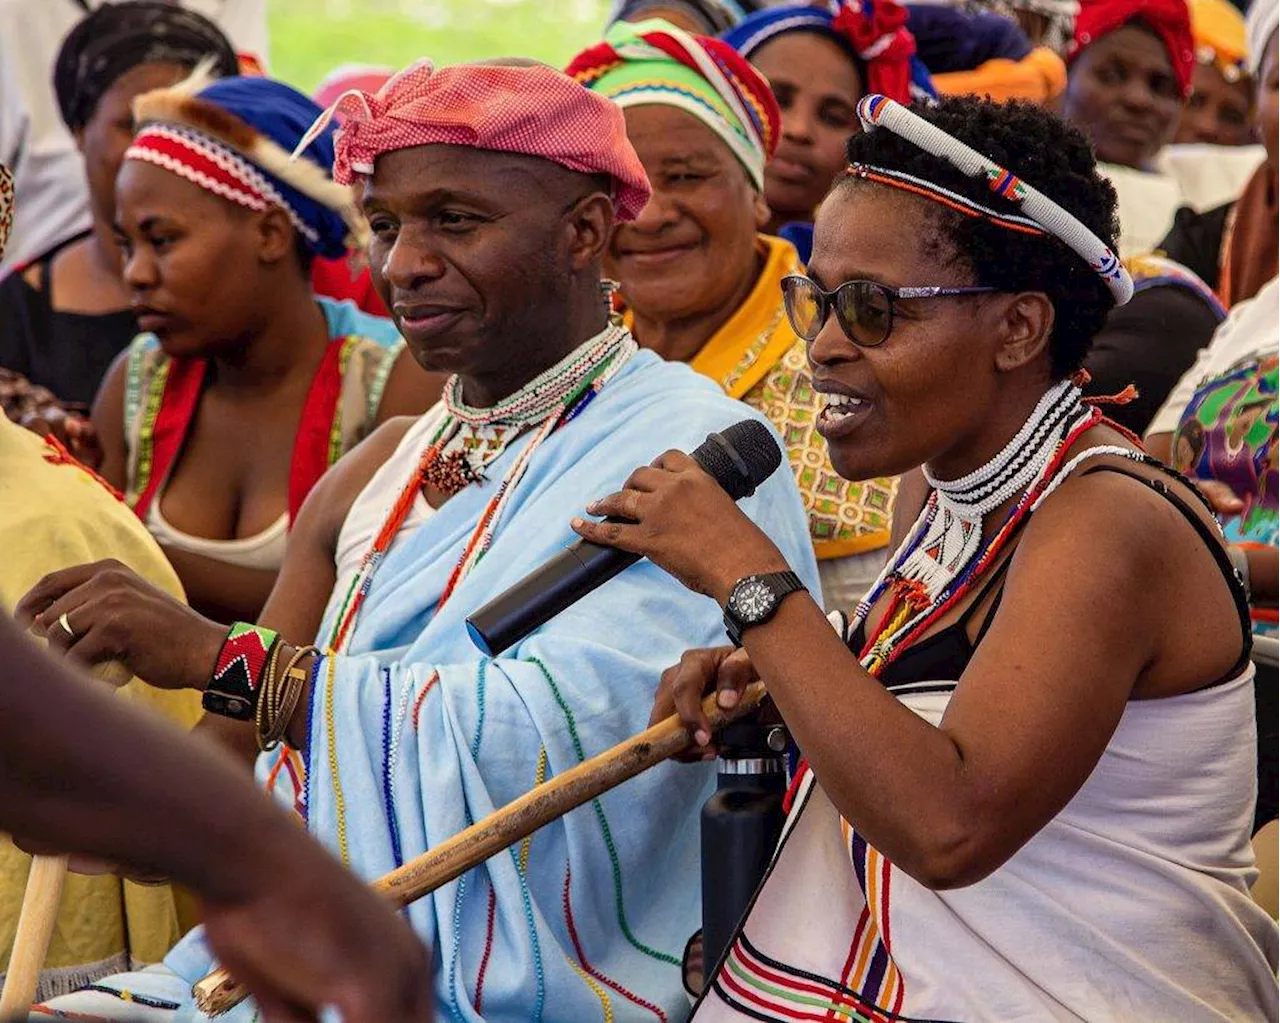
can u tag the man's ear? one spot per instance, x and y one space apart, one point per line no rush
591 222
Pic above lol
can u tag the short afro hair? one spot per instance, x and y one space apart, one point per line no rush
1047 153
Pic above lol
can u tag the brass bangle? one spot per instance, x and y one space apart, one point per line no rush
285 692
261 713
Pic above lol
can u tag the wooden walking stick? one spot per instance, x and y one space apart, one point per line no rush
40 903
218 992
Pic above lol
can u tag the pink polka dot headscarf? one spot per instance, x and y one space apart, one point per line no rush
532 110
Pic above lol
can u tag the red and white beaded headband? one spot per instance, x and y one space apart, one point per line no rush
877 111
214 166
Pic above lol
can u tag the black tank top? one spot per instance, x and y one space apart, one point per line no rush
69 353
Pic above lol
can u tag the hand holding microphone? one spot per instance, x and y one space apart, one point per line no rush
678 512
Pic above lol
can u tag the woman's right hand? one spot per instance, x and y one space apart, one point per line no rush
358 957
76 433
725 670
112 613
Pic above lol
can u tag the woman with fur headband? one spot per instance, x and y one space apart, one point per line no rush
244 386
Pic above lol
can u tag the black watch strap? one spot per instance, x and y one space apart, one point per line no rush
781 584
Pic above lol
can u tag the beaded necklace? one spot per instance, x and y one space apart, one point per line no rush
946 554
470 439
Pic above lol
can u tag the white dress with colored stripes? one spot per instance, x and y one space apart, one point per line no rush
1132 904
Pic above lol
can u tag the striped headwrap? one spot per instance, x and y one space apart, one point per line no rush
6 205
873 32
1036 211
656 63
233 138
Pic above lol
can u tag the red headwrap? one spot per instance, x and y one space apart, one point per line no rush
878 32
532 110
1169 19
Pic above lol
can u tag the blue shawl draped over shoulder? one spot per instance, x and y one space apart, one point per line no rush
416 735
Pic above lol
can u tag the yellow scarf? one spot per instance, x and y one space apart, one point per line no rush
757 358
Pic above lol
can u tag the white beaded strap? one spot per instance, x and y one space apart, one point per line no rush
1062 474
879 111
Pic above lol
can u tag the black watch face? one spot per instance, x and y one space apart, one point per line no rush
752 601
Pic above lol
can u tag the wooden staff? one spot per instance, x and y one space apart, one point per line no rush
40 903
218 992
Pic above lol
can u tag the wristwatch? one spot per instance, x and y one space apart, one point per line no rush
754 599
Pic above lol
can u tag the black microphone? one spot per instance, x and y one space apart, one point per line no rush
739 459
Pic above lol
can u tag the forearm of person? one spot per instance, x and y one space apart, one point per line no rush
948 803
899 778
1160 445
109 774
1263 571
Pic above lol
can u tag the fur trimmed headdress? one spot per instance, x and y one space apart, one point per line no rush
234 137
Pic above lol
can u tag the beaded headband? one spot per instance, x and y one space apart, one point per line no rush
215 167
879 111
953 200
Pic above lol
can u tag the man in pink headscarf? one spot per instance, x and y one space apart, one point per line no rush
491 191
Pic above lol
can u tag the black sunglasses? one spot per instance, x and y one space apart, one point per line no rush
864 309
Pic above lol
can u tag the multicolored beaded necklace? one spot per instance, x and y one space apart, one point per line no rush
946 554
470 439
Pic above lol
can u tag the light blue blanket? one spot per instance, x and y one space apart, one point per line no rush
589 917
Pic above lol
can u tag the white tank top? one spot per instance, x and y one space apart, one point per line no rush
373 504
263 550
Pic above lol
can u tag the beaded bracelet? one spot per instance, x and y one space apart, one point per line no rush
234 687
280 696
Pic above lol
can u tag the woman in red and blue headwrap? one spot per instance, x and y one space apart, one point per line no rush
244 385
820 62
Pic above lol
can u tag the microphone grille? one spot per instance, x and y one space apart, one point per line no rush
740 457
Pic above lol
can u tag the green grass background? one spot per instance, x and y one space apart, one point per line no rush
309 38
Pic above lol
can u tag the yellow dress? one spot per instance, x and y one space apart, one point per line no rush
54 514
757 358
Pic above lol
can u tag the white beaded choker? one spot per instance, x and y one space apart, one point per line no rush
1020 461
952 525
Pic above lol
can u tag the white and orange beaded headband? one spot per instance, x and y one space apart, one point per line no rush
1039 212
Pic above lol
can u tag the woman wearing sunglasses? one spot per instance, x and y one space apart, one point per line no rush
1030 767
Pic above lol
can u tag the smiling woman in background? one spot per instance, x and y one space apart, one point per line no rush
702 285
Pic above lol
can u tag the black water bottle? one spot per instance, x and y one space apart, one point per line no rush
741 824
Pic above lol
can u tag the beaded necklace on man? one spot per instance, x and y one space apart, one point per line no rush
470 439
946 554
